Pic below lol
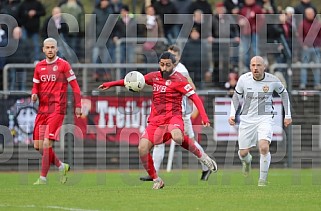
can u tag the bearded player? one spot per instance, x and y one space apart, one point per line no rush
165 121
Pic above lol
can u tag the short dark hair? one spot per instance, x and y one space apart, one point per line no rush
174 48
167 55
125 7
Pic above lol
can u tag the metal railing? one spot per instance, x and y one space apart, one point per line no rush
83 66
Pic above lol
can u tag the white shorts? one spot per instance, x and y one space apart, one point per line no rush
188 127
250 134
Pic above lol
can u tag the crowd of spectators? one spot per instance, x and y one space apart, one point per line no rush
207 52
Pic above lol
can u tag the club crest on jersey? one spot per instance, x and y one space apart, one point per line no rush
168 82
55 68
266 88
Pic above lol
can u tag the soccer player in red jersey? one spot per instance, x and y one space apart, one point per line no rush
165 121
50 83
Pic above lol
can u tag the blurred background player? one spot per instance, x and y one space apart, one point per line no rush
257 122
187 109
165 121
50 83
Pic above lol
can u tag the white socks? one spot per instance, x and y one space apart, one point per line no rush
158 155
265 161
43 178
198 146
247 158
62 166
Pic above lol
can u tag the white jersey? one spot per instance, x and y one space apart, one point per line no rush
187 105
257 96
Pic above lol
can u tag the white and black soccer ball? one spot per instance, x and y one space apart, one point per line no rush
134 81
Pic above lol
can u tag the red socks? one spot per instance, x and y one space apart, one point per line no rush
189 145
48 157
148 164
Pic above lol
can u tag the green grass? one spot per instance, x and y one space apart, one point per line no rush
227 190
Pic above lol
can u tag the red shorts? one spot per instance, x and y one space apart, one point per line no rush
158 134
47 126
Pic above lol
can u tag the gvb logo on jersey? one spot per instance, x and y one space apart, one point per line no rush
48 78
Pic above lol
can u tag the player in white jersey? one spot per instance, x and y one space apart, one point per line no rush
256 125
187 109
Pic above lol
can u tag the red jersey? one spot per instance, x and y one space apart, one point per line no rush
52 80
167 96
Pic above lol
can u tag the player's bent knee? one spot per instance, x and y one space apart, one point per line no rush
264 149
144 146
243 152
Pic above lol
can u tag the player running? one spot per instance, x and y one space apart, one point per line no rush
256 88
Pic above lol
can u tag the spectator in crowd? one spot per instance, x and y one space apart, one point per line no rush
300 8
282 34
202 25
70 10
11 8
268 6
195 57
152 29
116 6
30 12
103 49
221 53
55 26
163 7
182 6
79 3
233 6
147 3
18 77
126 27
310 40
250 25
230 84
202 5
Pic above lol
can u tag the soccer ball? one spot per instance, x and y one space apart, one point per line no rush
134 81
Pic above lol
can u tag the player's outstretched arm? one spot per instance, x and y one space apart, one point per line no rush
107 85
199 105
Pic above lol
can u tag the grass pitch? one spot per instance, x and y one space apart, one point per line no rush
288 189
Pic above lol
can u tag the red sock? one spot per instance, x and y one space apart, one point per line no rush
45 163
189 145
148 164
53 158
